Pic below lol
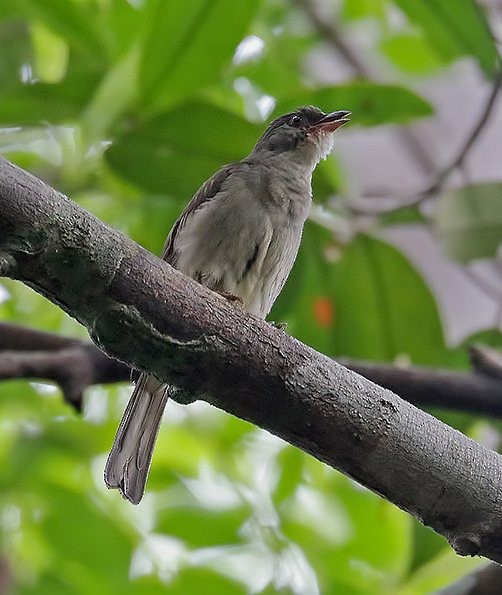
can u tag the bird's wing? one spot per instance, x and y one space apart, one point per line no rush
205 193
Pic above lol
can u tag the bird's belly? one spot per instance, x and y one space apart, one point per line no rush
260 288
248 253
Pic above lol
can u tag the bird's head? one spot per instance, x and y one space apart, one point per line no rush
305 135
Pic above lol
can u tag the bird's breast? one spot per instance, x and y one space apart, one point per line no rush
290 193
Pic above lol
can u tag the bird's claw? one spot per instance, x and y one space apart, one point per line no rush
230 297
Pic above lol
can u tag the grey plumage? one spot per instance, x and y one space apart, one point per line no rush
238 235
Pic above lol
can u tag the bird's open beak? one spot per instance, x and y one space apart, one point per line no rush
332 121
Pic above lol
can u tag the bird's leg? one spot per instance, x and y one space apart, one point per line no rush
282 326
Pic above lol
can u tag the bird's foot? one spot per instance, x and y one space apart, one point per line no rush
282 326
230 297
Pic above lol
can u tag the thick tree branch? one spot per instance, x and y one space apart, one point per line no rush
73 363
152 317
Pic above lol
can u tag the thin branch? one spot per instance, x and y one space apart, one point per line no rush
486 361
20 338
333 36
72 364
155 319
479 393
471 139
358 208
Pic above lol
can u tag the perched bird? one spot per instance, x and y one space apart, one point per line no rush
239 235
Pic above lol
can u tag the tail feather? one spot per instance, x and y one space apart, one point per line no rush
129 461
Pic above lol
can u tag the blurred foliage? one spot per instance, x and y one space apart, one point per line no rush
128 106
469 221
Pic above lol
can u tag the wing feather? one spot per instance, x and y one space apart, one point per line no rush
205 193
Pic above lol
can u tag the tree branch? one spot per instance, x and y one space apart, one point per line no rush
72 364
140 310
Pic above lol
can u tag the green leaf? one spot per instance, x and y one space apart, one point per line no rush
408 214
206 580
106 560
74 21
114 96
383 307
219 529
175 152
51 54
490 337
123 23
455 29
440 572
427 544
469 221
361 9
371 104
307 302
356 308
186 46
42 102
411 53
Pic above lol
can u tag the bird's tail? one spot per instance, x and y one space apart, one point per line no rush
129 461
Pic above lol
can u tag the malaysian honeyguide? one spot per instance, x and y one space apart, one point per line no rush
239 235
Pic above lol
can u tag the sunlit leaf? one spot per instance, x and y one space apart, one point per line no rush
360 9
411 52
51 54
455 29
185 46
439 572
74 21
115 94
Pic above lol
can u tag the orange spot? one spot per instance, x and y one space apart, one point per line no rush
323 311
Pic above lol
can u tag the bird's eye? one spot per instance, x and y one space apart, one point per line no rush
295 121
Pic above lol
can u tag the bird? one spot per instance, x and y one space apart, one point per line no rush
239 236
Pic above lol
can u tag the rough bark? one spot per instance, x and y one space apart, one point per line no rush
141 311
479 391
